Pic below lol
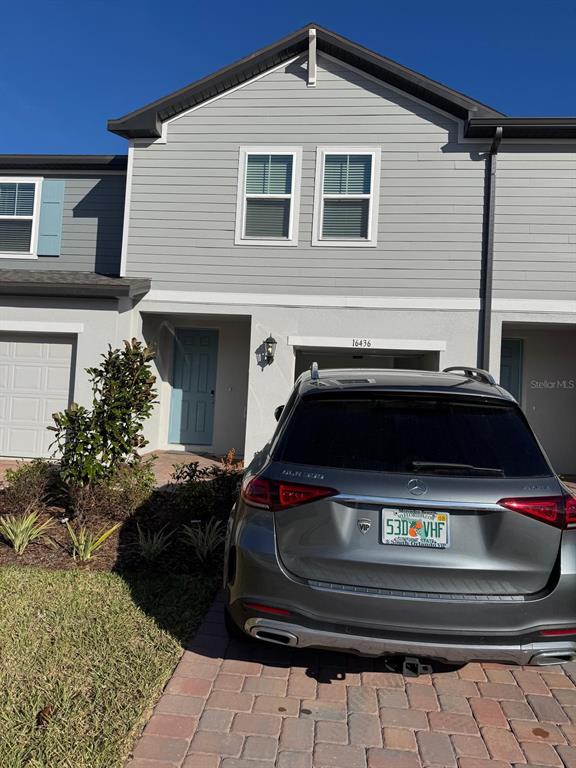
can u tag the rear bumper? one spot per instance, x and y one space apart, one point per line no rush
452 630
286 633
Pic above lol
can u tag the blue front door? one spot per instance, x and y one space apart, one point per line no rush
193 385
511 367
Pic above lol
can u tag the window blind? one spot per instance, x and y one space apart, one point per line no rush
347 174
345 219
267 218
16 199
15 235
271 176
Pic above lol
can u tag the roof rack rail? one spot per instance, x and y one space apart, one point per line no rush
472 373
314 372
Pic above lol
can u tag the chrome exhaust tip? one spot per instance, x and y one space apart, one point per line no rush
547 658
276 636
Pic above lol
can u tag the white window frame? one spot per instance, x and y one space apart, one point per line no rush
374 197
33 252
293 222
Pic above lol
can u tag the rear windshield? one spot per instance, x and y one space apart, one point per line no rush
427 435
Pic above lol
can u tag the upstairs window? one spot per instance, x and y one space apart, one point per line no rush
268 194
346 205
18 217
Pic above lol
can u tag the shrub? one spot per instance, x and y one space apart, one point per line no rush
152 544
93 444
21 530
27 488
205 492
205 539
84 543
118 496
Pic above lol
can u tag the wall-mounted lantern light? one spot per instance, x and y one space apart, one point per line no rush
270 349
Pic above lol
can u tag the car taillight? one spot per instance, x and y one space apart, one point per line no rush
570 510
555 510
276 494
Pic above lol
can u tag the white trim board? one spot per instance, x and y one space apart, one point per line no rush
313 301
534 305
37 326
127 205
341 342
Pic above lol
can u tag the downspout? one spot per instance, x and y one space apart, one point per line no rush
487 271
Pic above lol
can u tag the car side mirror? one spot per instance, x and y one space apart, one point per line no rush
278 412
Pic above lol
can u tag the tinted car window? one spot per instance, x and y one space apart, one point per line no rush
395 433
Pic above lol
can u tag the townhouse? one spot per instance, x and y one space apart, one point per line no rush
312 202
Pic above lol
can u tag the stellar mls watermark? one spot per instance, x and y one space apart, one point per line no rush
567 384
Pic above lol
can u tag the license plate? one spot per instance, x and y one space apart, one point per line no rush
416 528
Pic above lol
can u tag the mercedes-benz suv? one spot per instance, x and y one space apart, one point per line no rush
405 512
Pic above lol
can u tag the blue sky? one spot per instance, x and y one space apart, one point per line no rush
69 66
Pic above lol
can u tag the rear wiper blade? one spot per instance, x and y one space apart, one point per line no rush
445 467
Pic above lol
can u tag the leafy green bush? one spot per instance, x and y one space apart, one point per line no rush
205 539
115 497
93 444
21 530
84 544
27 488
205 492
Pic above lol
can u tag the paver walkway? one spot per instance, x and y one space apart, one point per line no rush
248 705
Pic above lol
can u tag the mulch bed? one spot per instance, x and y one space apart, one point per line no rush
119 553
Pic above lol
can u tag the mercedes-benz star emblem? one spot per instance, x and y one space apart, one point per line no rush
364 524
417 487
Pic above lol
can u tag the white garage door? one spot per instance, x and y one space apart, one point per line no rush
35 381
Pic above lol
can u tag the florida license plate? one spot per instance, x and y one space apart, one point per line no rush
416 528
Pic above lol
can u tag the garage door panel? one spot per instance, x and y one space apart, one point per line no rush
29 350
57 380
62 352
35 382
23 441
24 410
28 378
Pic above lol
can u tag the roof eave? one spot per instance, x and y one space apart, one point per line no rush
64 162
537 128
147 121
131 290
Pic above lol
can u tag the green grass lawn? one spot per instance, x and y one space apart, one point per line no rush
83 657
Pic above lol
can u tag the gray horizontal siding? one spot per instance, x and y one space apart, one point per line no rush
91 226
183 201
535 224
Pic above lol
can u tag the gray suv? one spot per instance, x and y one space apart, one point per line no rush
405 512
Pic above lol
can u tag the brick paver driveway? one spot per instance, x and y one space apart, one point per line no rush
247 705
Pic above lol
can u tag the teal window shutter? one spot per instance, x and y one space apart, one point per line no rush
51 211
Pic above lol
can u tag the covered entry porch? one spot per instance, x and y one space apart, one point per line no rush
333 352
538 366
202 370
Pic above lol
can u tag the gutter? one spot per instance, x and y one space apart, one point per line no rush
487 272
